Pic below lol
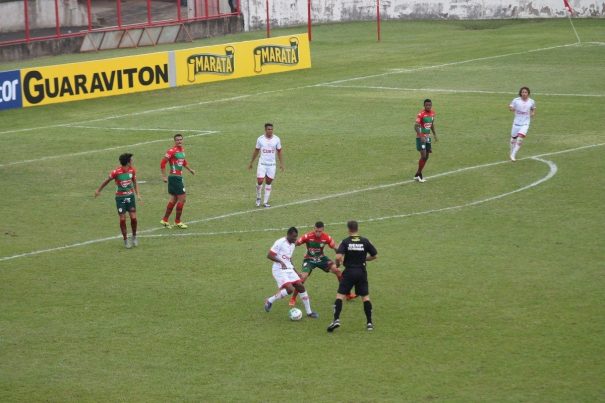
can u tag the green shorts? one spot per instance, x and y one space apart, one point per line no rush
175 185
125 204
322 263
427 145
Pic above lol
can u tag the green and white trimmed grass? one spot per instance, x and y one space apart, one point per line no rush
489 284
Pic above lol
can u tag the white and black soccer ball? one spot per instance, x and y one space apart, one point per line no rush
295 314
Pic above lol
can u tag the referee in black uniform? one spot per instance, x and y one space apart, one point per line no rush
353 252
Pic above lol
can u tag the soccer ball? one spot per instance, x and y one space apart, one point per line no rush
295 314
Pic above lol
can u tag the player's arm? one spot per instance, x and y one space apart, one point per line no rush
275 258
511 107
418 129
186 165
532 111
281 160
163 168
136 188
371 251
433 130
339 259
254 155
102 186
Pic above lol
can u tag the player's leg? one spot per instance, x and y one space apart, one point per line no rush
422 149
303 276
363 289
517 146
305 299
133 225
261 172
344 287
333 269
124 230
284 280
180 205
270 175
169 206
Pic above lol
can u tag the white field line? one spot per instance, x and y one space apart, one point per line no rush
438 66
99 150
335 195
552 171
376 87
239 97
141 129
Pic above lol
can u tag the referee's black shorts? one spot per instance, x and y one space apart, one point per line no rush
357 278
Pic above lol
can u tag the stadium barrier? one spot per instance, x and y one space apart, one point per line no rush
125 75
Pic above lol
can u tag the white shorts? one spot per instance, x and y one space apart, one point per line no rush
265 170
519 129
283 277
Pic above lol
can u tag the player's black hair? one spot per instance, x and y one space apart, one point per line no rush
524 88
319 224
427 100
353 226
177 135
125 159
268 125
292 230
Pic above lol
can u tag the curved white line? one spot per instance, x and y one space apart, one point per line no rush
551 173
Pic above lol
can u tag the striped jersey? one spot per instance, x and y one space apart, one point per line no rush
425 120
176 159
315 244
124 178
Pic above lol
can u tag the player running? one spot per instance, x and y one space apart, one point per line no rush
284 273
176 158
316 240
524 108
425 124
125 177
267 146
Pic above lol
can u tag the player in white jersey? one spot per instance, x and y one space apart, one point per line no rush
284 273
267 145
524 108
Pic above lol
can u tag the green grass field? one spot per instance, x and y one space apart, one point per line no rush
490 280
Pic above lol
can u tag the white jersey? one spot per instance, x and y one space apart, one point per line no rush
522 110
268 147
283 250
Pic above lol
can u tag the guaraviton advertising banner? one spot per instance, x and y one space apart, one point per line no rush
125 75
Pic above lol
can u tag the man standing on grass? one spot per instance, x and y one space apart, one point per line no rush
353 251
176 188
524 109
267 145
125 177
284 273
316 240
425 124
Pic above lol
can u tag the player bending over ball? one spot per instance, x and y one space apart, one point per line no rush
316 240
127 188
524 108
284 274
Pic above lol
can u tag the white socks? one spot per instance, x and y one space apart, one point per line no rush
305 299
267 193
280 294
259 188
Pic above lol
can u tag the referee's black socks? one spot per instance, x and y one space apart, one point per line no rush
337 308
367 308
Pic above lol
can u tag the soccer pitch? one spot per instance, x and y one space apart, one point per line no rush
489 284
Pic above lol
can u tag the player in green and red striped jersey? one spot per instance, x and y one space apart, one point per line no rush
127 188
176 158
425 124
316 240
